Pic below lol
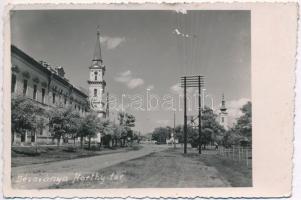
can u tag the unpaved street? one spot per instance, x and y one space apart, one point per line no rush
164 169
153 166
41 176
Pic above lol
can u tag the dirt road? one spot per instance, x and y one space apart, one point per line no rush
42 176
164 169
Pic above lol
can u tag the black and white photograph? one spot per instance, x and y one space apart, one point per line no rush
130 99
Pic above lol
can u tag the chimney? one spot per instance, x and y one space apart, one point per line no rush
60 71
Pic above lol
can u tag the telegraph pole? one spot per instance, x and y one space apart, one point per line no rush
185 118
174 129
200 115
192 81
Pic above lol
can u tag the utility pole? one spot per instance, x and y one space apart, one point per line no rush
200 115
192 81
174 129
185 118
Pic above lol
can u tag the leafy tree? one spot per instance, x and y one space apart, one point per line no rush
160 134
212 131
137 136
118 131
242 130
244 123
63 122
126 120
89 127
25 116
106 128
192 136
179 133
231 137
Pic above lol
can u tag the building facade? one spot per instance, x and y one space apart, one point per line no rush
96 81
223 115
46 86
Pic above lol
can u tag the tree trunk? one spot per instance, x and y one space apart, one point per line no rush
81 141
35 140
109 143
89 144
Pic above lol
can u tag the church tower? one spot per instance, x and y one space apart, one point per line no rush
223 115
96 81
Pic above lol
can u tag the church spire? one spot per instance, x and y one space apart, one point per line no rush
97 58
96 81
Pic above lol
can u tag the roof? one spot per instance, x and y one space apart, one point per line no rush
97 52
46 70
97 57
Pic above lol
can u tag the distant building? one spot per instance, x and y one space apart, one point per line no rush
223 115
96 81
46 86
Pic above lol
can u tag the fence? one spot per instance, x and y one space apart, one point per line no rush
240 154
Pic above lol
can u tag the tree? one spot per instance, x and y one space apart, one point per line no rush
25 116
242 130
106 128
231 137
126 120
160 135
89 127
118 131
212 131
136 136
244 123
192 136
63 122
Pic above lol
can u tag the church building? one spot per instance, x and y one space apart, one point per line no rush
223 115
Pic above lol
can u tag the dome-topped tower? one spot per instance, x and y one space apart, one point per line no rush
96 81
223 107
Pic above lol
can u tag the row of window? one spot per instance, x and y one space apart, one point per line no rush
78 107
35 93
25 86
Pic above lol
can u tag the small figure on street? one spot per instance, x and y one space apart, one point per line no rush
216 145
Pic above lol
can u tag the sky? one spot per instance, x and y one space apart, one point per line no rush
146 53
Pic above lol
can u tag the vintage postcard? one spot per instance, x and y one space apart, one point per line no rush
149 100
